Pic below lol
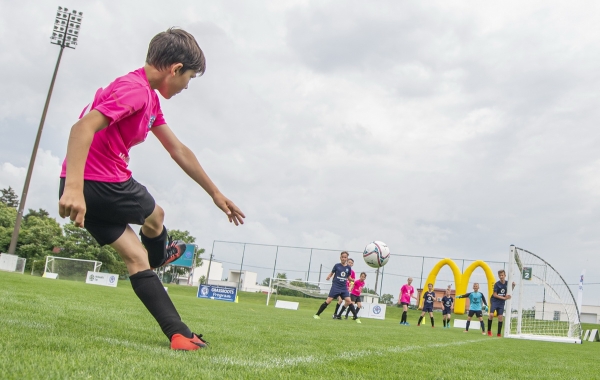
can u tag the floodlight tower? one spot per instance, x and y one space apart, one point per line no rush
67 25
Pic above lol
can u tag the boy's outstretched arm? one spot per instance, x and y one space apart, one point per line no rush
72 202
186 159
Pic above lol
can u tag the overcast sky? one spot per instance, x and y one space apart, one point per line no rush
444 129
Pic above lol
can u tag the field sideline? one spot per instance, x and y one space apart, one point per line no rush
65 329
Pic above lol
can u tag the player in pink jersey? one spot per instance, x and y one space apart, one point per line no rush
406 293
355 292
98 193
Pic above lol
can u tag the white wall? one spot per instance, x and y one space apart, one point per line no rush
216 272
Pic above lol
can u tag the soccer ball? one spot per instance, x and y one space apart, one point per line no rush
376 254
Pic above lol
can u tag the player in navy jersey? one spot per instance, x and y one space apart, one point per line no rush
349 284
340 273
477 300
429 297
447 303
498 300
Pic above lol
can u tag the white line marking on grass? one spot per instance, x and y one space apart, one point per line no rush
30 324
292 361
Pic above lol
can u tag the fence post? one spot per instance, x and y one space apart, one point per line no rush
320 269
275 264
309 261
210 262
381 285
422 266
241 266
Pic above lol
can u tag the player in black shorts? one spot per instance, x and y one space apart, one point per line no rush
429 297
340 273
498 300
447 303
97 190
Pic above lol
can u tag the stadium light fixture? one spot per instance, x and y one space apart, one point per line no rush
67 25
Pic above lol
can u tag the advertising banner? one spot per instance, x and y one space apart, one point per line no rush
372 310
187 258
104 279
216 292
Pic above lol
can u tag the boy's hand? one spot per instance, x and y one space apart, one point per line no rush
72 205
234 214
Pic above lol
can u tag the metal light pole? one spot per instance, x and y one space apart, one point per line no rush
65 34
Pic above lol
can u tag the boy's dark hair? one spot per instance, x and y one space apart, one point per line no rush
361 273
430 284
176 46
343 253
501 271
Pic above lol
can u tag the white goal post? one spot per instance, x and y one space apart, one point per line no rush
542 306
69 268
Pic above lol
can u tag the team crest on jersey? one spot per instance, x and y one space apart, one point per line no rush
152 118
343 274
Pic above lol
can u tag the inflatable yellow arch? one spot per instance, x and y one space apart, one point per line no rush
461 280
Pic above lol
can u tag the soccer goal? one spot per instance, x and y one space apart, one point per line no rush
12 263
70 269
542 306
297 288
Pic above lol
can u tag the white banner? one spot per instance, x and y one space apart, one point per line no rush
372 310
105 279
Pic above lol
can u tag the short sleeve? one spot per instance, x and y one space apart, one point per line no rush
160 119
122 101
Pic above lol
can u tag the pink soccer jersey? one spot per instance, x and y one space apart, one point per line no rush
132 107
405 292
351 279
357 288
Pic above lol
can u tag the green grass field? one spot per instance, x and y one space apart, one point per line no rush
56 329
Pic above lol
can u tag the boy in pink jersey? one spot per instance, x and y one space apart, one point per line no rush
98 193
406 293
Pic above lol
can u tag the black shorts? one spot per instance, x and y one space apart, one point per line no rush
428 309
405 303
110 207
355 299
446 311
497 308
477 313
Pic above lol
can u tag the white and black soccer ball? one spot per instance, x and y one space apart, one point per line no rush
376 254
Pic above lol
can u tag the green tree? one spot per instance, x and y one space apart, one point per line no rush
8 215
39 234
9 198
387 299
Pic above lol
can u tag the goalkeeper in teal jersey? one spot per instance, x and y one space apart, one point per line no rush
477 303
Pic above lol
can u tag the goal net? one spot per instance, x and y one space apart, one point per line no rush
542 306
297 288
70 269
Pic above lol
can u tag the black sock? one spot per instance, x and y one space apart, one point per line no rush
448 322
500 327
420 319
353 310
468 324
432 324
444 322
337 308
344 310
348 312
156 247
323 307
151 292
482 326
489 325
404 316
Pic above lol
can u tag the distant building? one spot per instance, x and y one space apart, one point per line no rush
549 311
